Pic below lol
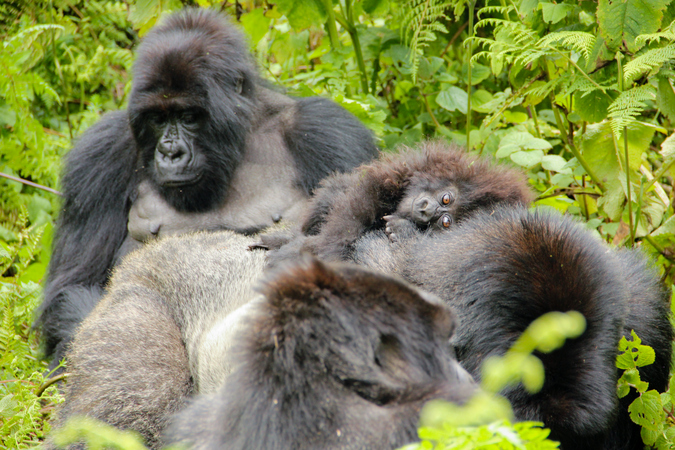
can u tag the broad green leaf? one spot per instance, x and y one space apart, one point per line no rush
429 66
555 12
256 25
646 410
624 20
479 73
375 6
145 13
520 140
479 98
592 107
668 147
668 227
598 148
555 163
515 116
527 159
302 14
665 98
453 99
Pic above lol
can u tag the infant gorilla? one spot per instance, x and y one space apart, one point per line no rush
428 189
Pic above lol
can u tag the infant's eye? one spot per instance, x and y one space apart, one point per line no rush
446 199
446 220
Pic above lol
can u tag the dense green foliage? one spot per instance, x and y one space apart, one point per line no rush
578 93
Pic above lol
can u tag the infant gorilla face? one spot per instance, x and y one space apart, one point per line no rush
430 205
426 206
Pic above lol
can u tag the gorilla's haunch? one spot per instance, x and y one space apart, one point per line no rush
210 148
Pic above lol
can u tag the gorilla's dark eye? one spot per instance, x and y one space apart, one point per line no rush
446 199
154 118
239 87
188 117
446 220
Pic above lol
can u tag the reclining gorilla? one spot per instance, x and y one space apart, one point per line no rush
204 145
326 356
430 189
165 323
499 268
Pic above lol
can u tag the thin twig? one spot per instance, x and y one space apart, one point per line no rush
30 183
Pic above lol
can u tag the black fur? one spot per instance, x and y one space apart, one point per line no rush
196 63
338 358
501 269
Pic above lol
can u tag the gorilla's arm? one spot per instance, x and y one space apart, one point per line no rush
324 139
98 180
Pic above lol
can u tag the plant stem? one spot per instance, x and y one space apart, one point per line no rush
426 103
472 5
619 57
330 25
351 29
568 140
664 168
533 113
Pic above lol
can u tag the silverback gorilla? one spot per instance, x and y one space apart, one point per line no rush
203 143
331 356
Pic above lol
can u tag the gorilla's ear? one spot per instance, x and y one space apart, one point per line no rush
304 282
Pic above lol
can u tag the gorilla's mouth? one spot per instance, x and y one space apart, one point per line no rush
179 180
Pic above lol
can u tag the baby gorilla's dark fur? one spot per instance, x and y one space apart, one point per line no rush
417 189
501 269
338 358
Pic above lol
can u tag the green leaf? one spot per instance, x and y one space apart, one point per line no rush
527 159
555 12
256 25
375 6
555 163
479 98
515 116
668 147
592 107
453 99
479 73
624 20
304 13
520 140
429 66
665 98
646 410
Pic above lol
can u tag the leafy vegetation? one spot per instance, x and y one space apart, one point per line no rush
578 93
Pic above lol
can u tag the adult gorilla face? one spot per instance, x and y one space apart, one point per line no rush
190 110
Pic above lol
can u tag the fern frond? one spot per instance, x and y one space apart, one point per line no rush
648 61
544 90
578 41
585 86
421 20
502 10
628 106
27 37
667 33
